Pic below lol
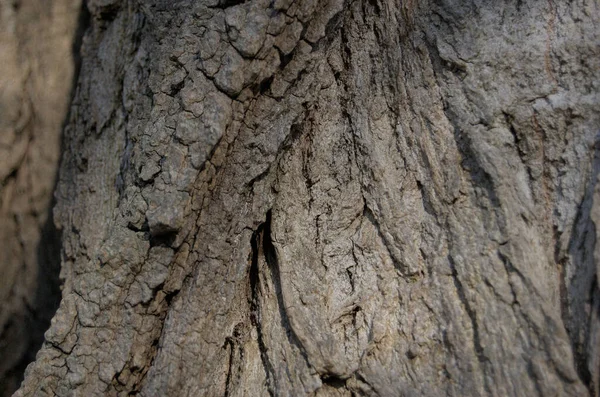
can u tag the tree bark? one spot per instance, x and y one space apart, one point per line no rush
330 198
36 40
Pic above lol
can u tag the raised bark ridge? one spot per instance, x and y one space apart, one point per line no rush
329 198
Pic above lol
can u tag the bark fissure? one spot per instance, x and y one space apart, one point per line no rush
229 344
255 312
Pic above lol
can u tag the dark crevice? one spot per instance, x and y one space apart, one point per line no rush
170 296
228 3
123 167
520 145
142 372
375 5
264 250
255 314
11 175
258 178
234 344
175 88
108 12
351 275
308 180
347 52
425 200
144 228
509 121
333 381
284 60
165 239
264 86
229 344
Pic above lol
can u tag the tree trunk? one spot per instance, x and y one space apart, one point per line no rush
37 67
330 198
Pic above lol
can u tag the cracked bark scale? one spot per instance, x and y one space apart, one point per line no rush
329 198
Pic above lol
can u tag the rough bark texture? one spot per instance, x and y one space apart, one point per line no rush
330 198
36 39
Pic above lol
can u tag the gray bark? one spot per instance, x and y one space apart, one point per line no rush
330 198
37 66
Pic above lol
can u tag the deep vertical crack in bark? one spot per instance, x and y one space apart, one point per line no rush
255 310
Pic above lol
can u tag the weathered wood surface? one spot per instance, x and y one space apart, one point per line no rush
330 198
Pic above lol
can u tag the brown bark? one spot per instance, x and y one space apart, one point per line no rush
36 40
329 198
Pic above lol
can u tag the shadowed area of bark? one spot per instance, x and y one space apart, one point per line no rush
38 48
